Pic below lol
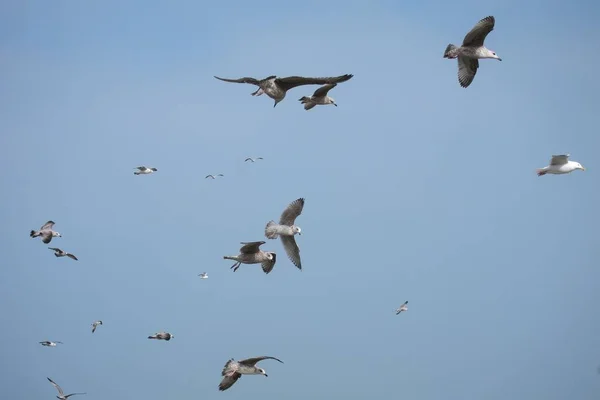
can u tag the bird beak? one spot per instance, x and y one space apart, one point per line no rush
266 375
582 168
335 104
499 59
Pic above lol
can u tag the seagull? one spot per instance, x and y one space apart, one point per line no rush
276 88
253 159
49 343
45 232
251 254
61 253
95 325
319 97
61 394
471 50
286 230
212 176
162 336
233 370
144 170
203 275
560 165
403 307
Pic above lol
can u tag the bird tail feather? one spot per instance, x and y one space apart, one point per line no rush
269 231
304 99
449 53
540 171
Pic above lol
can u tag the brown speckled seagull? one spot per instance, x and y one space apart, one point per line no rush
250 253
61 253
286 229
233 370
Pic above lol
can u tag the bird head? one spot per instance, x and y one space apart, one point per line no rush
296 229
492 54
332 101
581 167
263 372
269 256
56 234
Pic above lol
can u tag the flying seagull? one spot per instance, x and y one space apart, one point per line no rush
286 230
45 232
61 394
144 170
203 275
49 343
560 165
403 307
95 325
162 336
61 253
253 159
319 97
212 176
472 50
250 253
234 370
276 88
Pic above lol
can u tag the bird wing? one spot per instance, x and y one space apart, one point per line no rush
46 237
73 394
60 391
254 360
229 380
209 176
72 256
252 81
47 225
55 249
251 247
248 159
268 265
292 250
141 168
323 90
467 68
289 215
479 32
293 81
559 159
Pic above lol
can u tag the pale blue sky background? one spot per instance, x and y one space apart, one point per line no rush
416 189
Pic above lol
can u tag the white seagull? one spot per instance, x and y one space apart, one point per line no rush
61 253
49 343
286 229
560 165
203 275
253 159
61 394
212 176
403 307
233 370
45 232
276 88
144 170
319 97
472 50
162 336
95 325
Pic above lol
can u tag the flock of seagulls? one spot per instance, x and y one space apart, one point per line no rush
467 55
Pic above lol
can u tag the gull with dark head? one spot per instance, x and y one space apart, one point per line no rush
472 50
61 253
212 176
319 97
253 159
250 253
276 88
233 370
61 394
162 336
286 229
403 307
142 170
49 343
560 165
95 325
46 232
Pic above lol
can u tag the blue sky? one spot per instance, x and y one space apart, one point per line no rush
416 189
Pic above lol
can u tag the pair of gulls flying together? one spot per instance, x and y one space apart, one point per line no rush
560 165
250 252
49 343
46 232
472 50
61 253
162 336
276 88
233 370
95 325
61 394
142 170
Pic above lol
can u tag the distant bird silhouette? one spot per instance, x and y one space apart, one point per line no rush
212 176
61 253
403 307
95 325
162 336
49 343
203 275
144 170
253 159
